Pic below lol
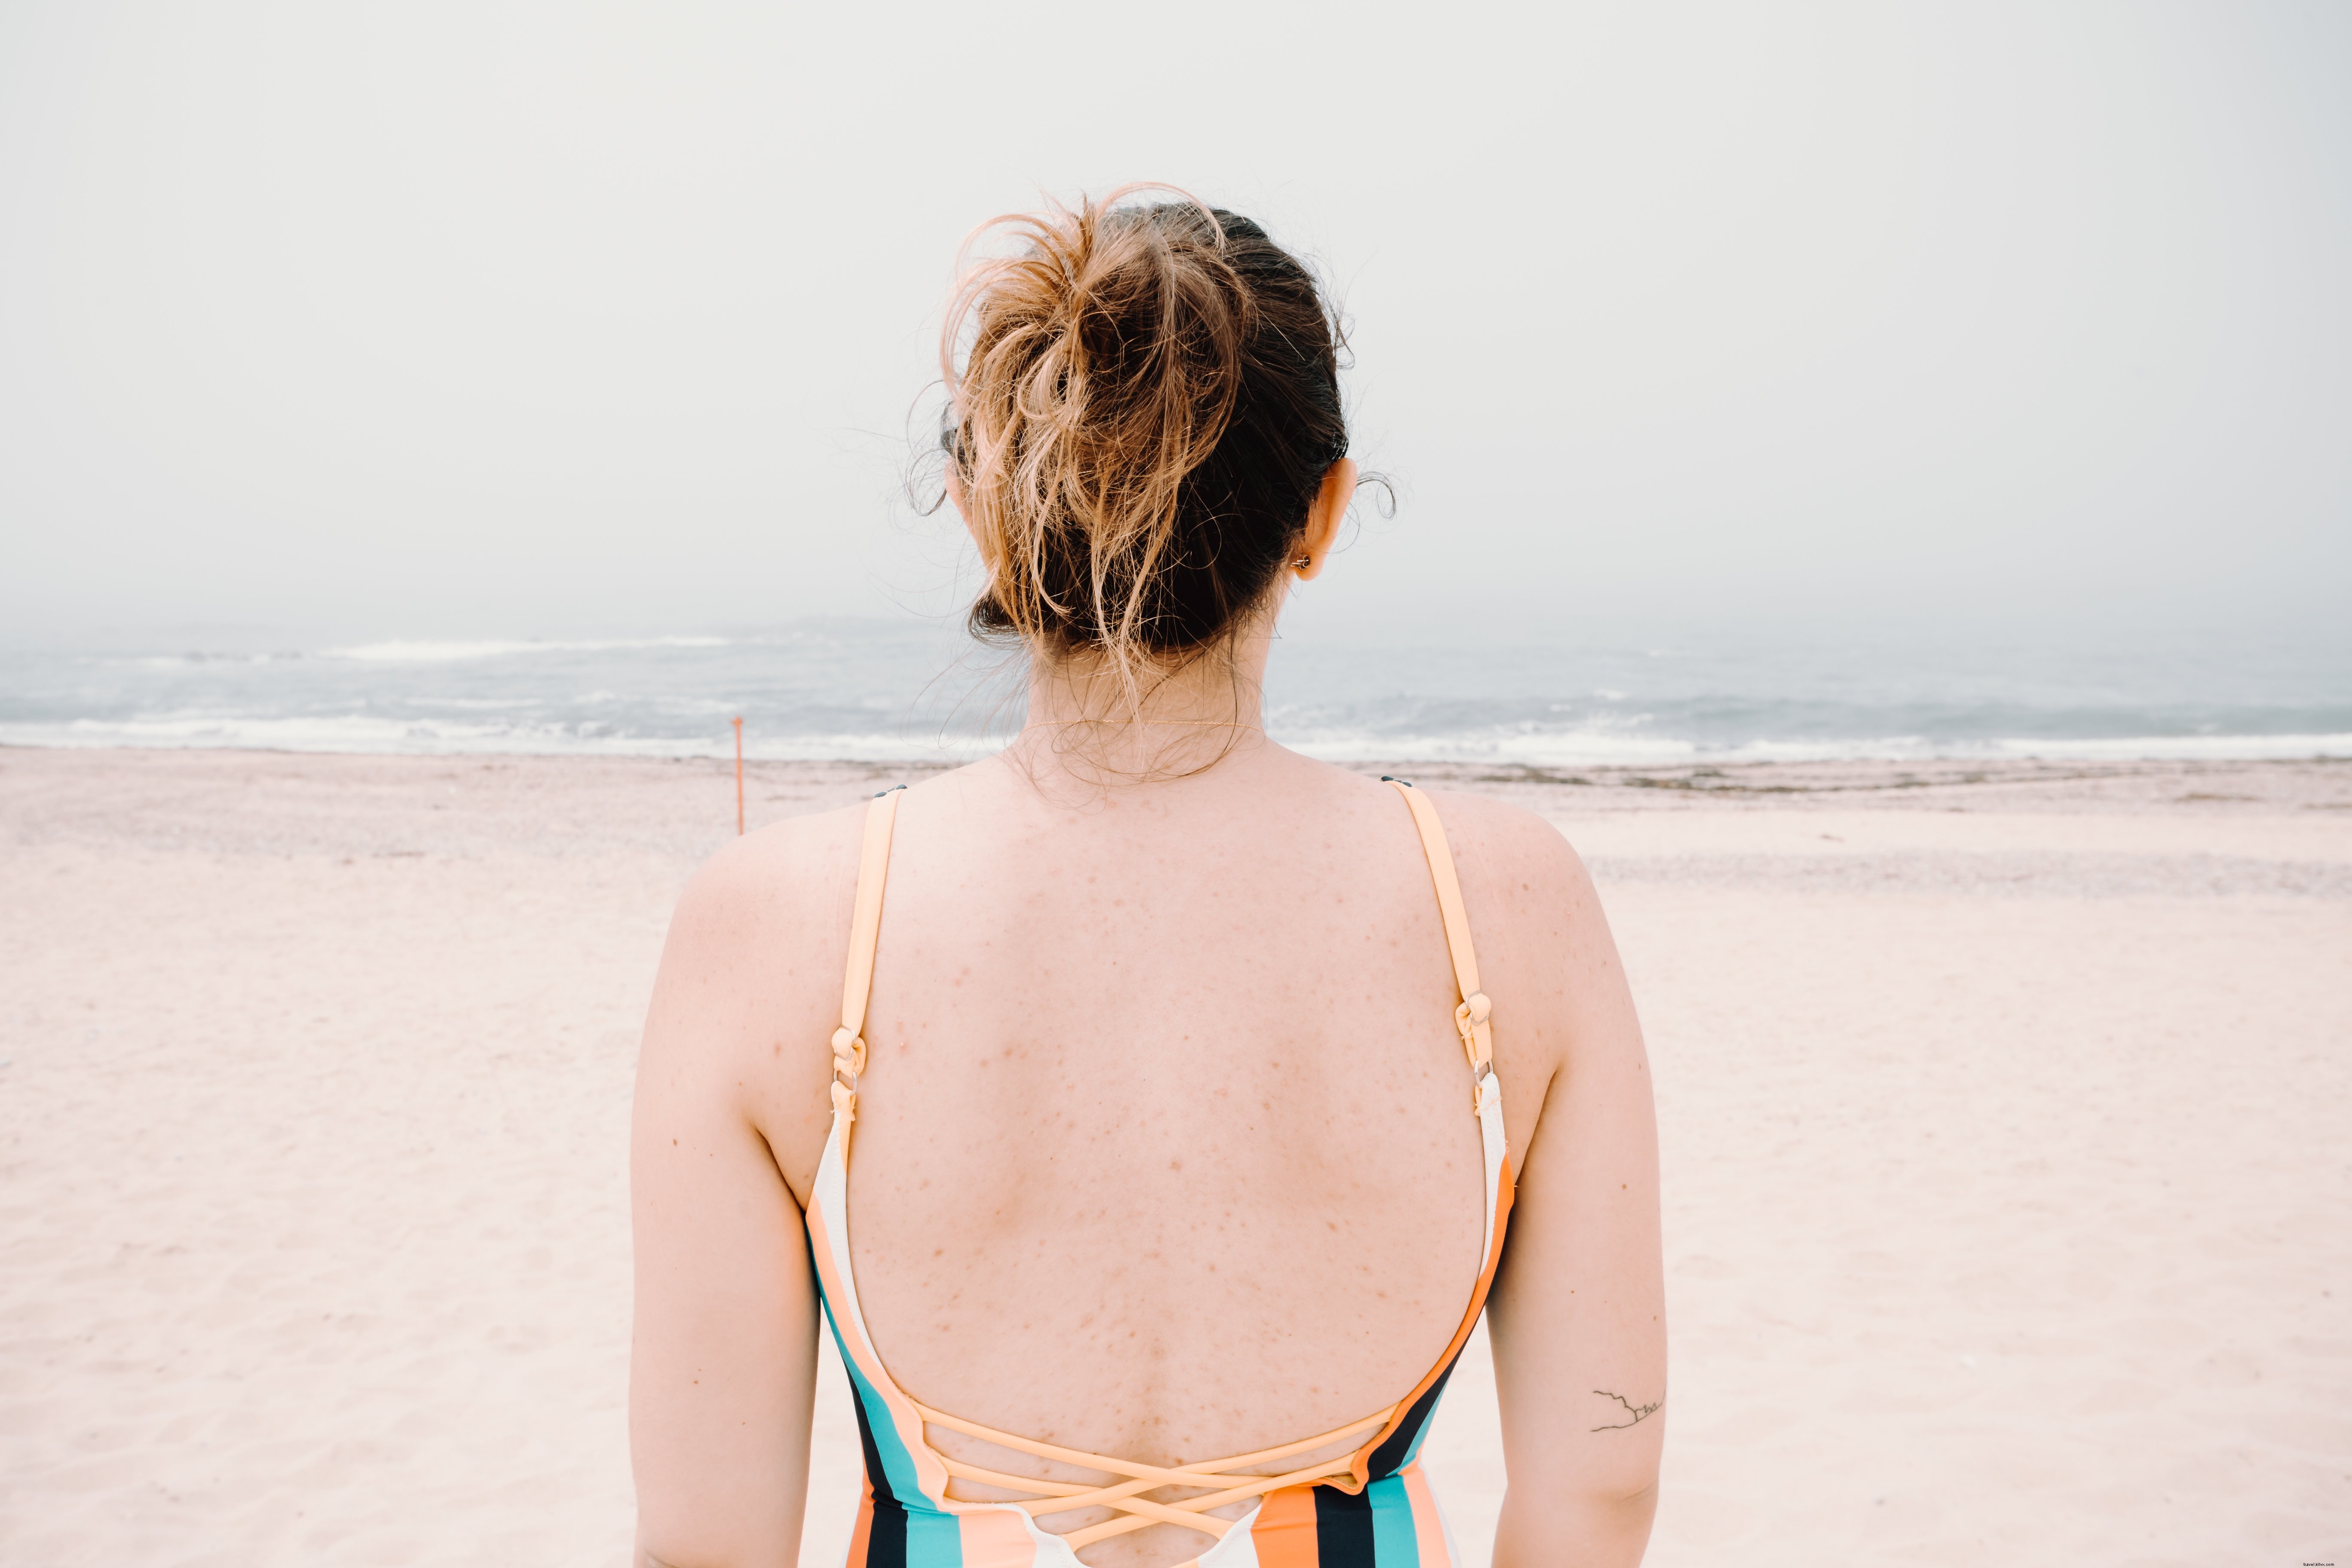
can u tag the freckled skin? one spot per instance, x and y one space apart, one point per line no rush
1164 1149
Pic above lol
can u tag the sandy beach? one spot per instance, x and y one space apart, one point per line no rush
2004 1110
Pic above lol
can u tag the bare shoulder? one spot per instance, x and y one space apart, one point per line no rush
1546 952
1518 863
751 976
1521 879
760 885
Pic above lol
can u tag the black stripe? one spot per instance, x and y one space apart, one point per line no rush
874 1475
886 1541
1343 1530
1389 1458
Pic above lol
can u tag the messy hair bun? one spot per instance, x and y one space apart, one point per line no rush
1146 411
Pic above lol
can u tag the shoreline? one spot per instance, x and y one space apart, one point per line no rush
1696 777
2220 751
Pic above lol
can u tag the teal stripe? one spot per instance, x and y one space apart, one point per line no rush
1395 1542
933 1540
898 1465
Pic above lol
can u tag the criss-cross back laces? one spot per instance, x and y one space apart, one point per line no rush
1219 1481
1065 1497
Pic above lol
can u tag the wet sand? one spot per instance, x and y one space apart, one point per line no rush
2009 1200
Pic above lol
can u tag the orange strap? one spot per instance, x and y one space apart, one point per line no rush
865 935
1470 1017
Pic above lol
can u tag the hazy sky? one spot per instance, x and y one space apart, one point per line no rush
530 319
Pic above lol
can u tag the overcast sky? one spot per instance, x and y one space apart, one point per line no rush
507 319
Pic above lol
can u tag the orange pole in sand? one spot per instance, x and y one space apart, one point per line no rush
739 775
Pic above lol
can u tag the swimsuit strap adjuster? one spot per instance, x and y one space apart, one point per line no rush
1470 1022
848 1061
849 1051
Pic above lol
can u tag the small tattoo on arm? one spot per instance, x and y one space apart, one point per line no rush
1639 1411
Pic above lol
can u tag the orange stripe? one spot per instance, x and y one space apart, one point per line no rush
1428 1529
864 1530
1508 1193
1284 1534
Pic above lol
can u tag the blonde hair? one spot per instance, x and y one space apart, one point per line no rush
1145 412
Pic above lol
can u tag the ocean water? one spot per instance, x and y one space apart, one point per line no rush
915 689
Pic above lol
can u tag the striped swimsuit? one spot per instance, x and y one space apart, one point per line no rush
1369 1508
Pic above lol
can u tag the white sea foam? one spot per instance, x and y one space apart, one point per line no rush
1601 749
401 652
2186 748
908 690
365 735
198 661
359 736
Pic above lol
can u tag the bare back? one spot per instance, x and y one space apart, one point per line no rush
1165 1147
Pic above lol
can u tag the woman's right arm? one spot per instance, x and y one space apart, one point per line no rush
722 1366
1578 1313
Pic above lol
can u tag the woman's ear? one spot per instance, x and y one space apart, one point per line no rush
955 500
1323 519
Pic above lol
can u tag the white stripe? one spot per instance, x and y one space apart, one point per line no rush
1490 1134
833 1200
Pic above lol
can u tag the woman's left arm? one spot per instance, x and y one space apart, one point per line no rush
724 1363
1577 1314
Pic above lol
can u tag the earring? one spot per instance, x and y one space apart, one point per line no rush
1304 561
